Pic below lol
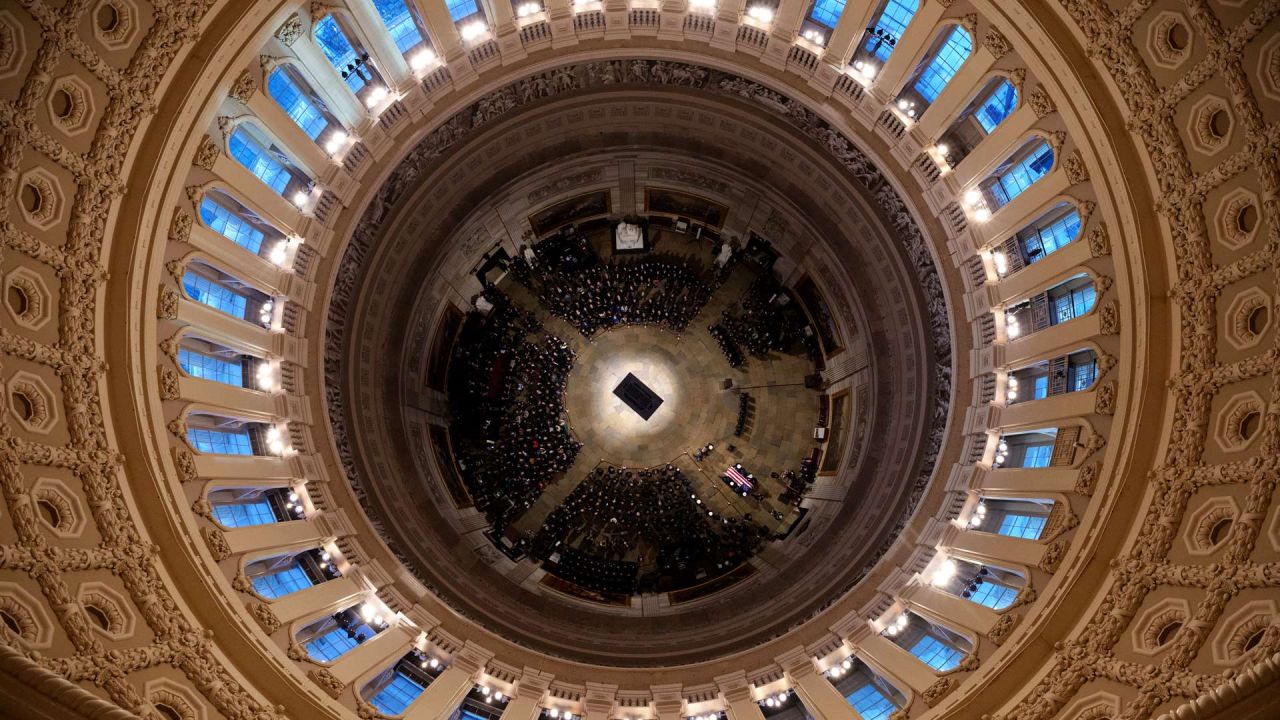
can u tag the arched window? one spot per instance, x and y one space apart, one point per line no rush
208 360
886 31
931 644
987 586
278 576
266 162
1012 517
1073 372
332 637
460 10
220 217
989 108
207 286
292 95
402 24
827 12
221 441
1028 449
392 691
873 697
943 65
1048 233
238 507
351 64
1019 172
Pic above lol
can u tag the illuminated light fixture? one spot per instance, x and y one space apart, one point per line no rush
553 712
280 253
433 663
325 556
1001 262
982 214
497 695
761 13
300 199
945 572
266 381
336 142
368 611
472 30
972 197
903 104
484 690
941 148
847 664
524 10
422 59
702 4
275 441
376 95
813 36
265 315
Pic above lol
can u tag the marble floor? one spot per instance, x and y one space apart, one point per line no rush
688 371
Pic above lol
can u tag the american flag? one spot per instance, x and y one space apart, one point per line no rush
735 476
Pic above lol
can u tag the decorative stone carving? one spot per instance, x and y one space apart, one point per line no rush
1211 125
1105 399
1238 218
1099 243
327 681
689 177
168 384
265 617
297 653
996 43
933 694
1169 40
217 543
207 153
178 426
32 402
1109 319
1239 421
202 507
1247 318
561 184
180 227
28 298
40 198
1040 102
167 309
1000 631
244 87
70 105
290 30
186 464
242 584
1087 479
1053 553
1075 168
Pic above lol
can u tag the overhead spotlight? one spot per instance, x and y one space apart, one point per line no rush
847 664
336 142
941 148
813 36
761 12
472 30
376 95
280 253
300 199
902 104
868 71
945 572
422 59
368 611
972 197
433 663
982 214
702 4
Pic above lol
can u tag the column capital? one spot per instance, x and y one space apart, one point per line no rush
599 700
734 686
668 700
796 662
471 658
533 684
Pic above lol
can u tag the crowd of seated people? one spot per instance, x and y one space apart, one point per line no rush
728 347
627 531
744 412
764 321
593 295
506 393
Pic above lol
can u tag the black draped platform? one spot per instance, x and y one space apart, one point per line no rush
638 396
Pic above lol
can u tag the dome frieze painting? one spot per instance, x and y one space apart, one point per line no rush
640 359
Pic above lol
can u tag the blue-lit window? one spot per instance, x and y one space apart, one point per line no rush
231 226
944 65
339 50
1074 304
284 582
1050 237
331 645
461 9
1033 166
933 652
212 368
259 160
1082 376
893 20
297 103
997 106
221 442
400 24
1037 456
245 514
1041 388
1022 526
870 703
827 12
994 595
203 290
396 696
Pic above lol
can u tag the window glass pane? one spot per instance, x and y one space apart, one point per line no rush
893 20
395 15
935 654
944 65
459 9
244 514
1026 171
203 290
222 442
994 595
279 584
1037 456
396 696
296 103
998 106
338 49
259 160
827 12
212 368
231 226
1082 376
330 646
870 703
1041 388
1051 236
1022 526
